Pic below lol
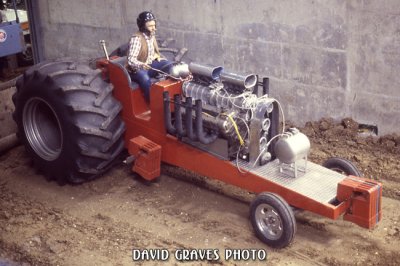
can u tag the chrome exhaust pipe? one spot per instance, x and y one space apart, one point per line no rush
246 82
211 72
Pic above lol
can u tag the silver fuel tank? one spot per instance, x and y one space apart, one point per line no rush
293 146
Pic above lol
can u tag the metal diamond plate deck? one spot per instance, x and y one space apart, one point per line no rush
318 182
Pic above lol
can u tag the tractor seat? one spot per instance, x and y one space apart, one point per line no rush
120 62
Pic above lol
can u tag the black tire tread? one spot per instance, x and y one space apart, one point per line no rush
69 88
95 132
103 95
88 111
90 78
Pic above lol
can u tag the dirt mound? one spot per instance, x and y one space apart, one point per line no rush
376 157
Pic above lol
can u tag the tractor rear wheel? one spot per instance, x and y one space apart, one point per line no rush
68 120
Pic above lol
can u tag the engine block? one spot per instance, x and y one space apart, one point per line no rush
216 104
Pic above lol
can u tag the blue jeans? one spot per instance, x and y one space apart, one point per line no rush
143 76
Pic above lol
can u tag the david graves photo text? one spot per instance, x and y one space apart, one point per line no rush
199 255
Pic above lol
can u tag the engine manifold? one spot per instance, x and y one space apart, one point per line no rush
222 105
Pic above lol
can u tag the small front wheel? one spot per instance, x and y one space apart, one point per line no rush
273 220
342 166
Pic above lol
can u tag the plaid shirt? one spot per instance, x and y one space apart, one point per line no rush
134 49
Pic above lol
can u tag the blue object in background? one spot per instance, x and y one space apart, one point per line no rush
11 38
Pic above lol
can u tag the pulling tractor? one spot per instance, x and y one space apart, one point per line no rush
75 121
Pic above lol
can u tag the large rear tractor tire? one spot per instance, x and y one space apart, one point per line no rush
68 121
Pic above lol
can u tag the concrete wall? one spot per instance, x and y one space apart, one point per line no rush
337 58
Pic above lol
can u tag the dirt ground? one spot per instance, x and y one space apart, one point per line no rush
99 223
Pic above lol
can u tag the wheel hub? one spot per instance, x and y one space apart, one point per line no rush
42 128
269 221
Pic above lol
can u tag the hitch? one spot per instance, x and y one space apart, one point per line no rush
146 157
363 199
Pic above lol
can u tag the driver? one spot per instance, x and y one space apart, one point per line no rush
144 55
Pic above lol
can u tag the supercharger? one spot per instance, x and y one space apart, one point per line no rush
234 110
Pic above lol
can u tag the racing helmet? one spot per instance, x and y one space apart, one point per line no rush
144 17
